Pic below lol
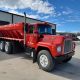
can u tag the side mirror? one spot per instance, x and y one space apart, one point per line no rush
53 31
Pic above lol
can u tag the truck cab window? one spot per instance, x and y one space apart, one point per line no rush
31 29
45 29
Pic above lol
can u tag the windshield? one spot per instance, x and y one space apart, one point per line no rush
45 29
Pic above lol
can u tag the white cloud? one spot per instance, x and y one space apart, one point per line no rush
73 20
59 24
14 11
45 17
59 14
30 16
33 16
38 5
67 11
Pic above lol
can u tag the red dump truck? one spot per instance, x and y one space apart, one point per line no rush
39 41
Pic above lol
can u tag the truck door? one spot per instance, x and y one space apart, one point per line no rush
31 40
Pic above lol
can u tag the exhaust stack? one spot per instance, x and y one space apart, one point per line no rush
24 28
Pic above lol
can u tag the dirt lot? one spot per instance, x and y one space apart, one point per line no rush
20 67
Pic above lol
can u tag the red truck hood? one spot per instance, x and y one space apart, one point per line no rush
54 39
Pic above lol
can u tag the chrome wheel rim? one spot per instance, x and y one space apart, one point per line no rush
43 60
6 46
1 45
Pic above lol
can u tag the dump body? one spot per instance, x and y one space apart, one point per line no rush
12 32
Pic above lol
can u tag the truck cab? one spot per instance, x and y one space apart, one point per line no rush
38 32
47 46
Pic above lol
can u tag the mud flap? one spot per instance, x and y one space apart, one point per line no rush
34 56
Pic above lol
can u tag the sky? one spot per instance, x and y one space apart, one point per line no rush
64 13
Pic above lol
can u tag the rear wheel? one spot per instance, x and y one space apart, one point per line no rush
45 60
2 45
8 48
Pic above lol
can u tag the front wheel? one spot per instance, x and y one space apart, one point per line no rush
45 60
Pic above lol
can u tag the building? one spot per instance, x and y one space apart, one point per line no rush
9 18
6 18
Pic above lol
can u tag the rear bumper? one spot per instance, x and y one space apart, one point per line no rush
63 57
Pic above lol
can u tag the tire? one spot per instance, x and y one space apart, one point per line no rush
44 56
8 48
67 60
2 45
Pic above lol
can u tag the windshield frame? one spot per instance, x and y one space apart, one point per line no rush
46 32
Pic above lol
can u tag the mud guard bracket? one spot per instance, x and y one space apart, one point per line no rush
34 56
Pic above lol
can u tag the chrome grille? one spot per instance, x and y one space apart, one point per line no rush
67 46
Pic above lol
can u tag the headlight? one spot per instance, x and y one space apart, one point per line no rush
59 49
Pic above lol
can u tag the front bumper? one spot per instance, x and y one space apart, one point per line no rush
63 57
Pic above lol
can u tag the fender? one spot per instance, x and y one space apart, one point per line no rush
43 45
